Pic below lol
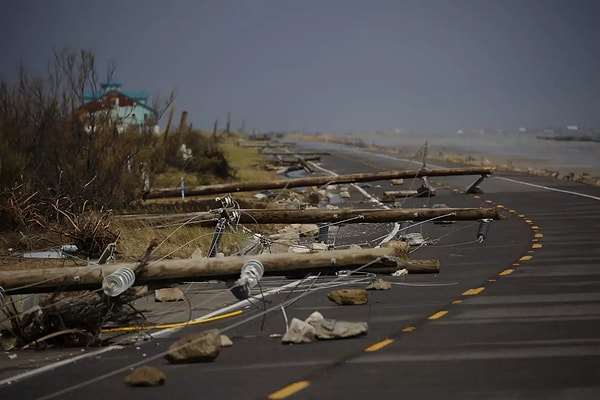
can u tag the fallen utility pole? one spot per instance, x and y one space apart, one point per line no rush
297 153
266 216
349 216
383 259
314 181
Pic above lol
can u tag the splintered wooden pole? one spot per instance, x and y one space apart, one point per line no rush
386 259
314 181
266 216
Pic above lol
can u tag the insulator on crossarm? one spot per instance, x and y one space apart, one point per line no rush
118 282
484 226
252 272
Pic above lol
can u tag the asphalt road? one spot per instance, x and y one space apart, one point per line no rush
514 317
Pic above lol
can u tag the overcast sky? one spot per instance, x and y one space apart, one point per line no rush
334 65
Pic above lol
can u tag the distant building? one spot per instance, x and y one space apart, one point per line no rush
126 107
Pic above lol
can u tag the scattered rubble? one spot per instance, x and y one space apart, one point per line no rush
145 376
327 329
316 327
299 332
203 346
379 284
349 296
166 295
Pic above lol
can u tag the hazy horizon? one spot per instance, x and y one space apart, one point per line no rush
334 66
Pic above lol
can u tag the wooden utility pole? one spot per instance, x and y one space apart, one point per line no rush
314 181
265 216
383 259
169 119
313 216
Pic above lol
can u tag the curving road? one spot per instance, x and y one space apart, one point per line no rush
517 316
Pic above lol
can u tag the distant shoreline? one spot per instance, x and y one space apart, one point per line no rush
470 153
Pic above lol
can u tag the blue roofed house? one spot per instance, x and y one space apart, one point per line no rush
126 107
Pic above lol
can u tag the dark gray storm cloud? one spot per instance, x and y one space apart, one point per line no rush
335 66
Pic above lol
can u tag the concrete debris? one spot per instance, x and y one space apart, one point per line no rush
203 346
317 327
355 247
344 194
298 249
397 181
165 295
8 343
400 272
318 247
299 332
225 341
349 296
146 376
379 284
315 316
327 329
197 253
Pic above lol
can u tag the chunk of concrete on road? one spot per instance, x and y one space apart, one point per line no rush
146 376
327 329
397 182
225 341
344 194
349 296
166 295
379 284
203 346
299 332
315 316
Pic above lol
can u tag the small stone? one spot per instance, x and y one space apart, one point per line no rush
196 347
349 296
168 294
225 341
379 284
145 376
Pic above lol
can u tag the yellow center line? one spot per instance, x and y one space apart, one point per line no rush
289 390
507 272
535 227
438 314
379 345
538 235
521 215
525 258
409 329
472 292
499 206
536 246
512 211
516 264
529 221
491 280
457 302
489 201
